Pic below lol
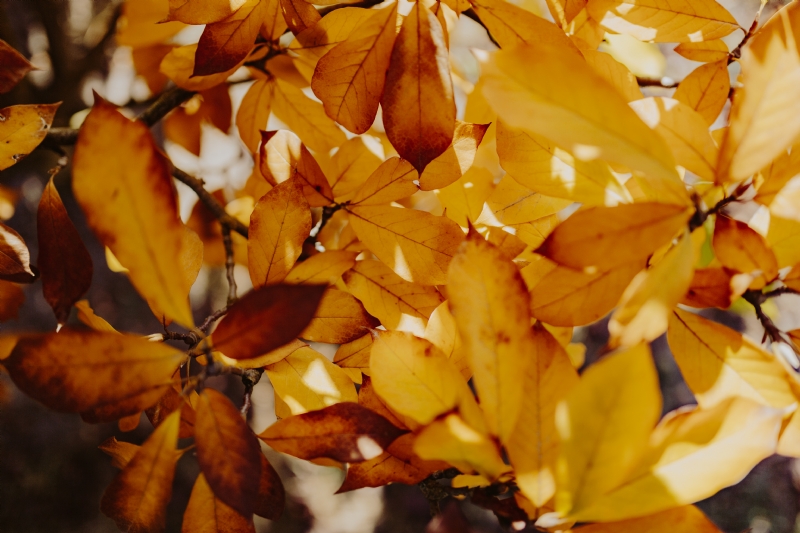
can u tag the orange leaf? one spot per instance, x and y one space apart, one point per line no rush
137 498
207 513
254 111
22 128
265 319
511 25
456 159
392 181
15 259
419 112
227 42
202 11
706 89
73 371
339 318
120 452
15 67
169 403
178 65
279 225
345 432
283 156
299 15
64 261
740 248
271 495
11 299
711 287
228 452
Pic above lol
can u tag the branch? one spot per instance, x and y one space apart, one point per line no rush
661 82
230 265
197 185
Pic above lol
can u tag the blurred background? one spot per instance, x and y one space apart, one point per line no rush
52 475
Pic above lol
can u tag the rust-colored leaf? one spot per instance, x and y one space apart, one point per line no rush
64 261
284 156
339 318
271 495
265 319
299 15
227 451
345 432
206 513
225 43
419 112
15 259
11 299
15 67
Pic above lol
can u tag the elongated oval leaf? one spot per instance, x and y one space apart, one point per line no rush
22 128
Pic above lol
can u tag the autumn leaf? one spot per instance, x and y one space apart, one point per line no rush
419 112
457 159
706 89
22 128
15 259
393 180
283 157
322 268
137 498
124 187
265 319
64 262
254 111
172 401
741 248
708 51
11 299
710 287
355 354
15 67
686 518
351 166
299 15
305 116
178 65
227 451
512 25
87 315
279 225
85 375
202 11
121 452
349 79
206 512
345 432
227 42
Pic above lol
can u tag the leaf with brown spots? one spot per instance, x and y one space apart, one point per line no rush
345 432
22 128
227 451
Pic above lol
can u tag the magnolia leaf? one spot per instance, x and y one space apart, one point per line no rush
73 371
418 246
15 67
606 237
207 512
22 128
397 303
265 319
706 90
719 363
345 432
492 312
349 79
307 381
64 261
227 42
228 452
279 225
419 112
664 21
124 187
339 318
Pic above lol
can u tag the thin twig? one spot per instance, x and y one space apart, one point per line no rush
736 53
213 317
250 378
197 185
230 264
653 82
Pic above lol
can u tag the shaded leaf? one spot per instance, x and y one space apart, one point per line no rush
392 181
15 259
305 116
511 25
686 518
11 299
254 111
202 11
178 65
271 495
339 318
739 247
704 51
227 42
299 15
205 512
15 67
120 452
283 156
454 162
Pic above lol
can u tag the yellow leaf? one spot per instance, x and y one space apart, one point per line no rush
442 331
269 358
605 237
664 21
419 112
770 72
688 519
539 165
202 11
283 156
558 96
274 23
351 167
644 309
254 112
740 248
533 446
603 436
178 65
492 311
206 512
139 26
511 25
706 89
354 355
512 203
22 128
457 159
418 246
562 296
307 381
349 79
414 377
326 267
225 43
137 498
87 316
685 132
691 456
339 318
464 198
279 225
392 181
704 51
719 363
776 175
305 117
614 73
565 11
451 439
124 187
784 238
397 303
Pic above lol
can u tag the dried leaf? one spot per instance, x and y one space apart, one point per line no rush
15 67
22 128
739 247
178 66
11 299
326 267
283 156
120 452
305 117
227 42
299 15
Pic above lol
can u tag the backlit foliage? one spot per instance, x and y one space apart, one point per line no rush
445 222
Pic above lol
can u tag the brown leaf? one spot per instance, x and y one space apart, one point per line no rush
419 112
15 259
227 42
739 247
711 287
169 403
265 319
137 498
340 318
74 371
120 452
129 423
345 432
299 15
15 67
271 496
227 451
11 299
64 261
206 513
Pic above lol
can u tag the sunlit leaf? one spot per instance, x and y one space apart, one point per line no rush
22 128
